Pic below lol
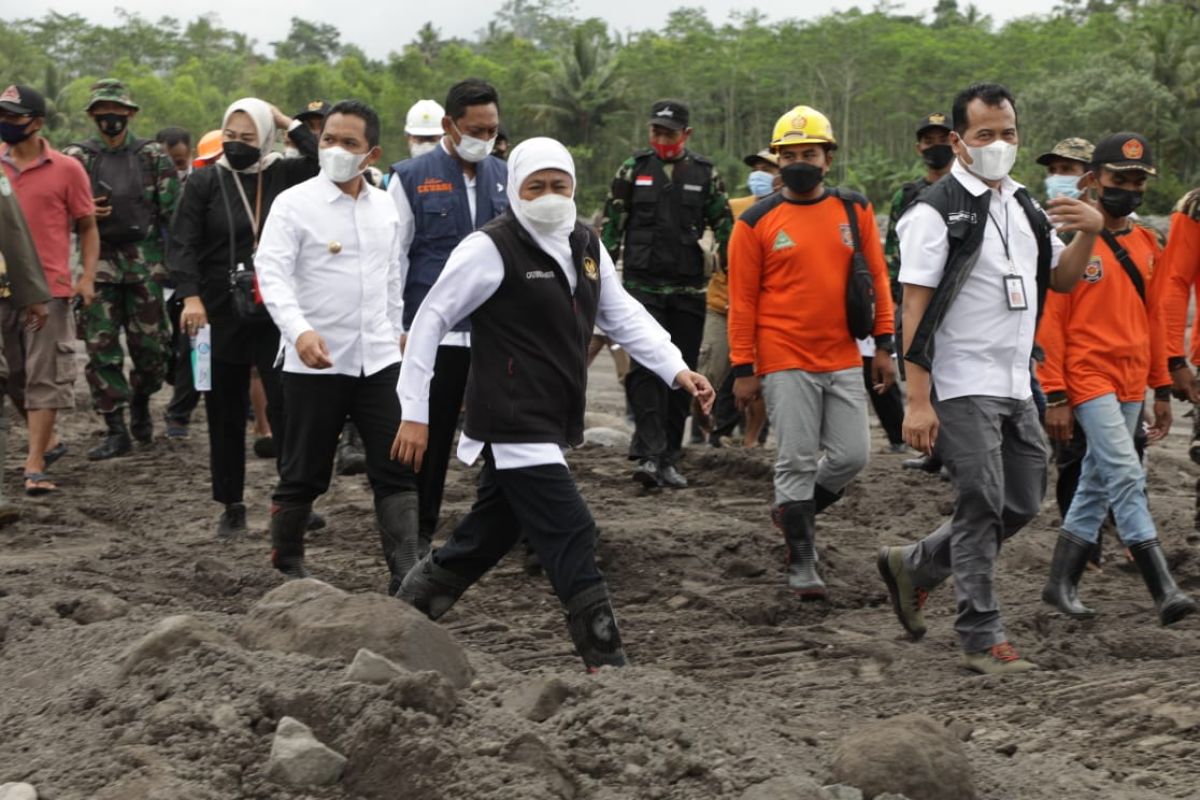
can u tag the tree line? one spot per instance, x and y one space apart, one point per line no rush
1086 68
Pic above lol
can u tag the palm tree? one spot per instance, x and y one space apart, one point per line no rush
581 89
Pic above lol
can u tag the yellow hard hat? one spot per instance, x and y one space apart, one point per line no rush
803 125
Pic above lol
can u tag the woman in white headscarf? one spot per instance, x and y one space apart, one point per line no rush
213 239
534 282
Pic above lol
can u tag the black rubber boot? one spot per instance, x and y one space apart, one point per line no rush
923 464
116 443
1071 555
797 521
140 423
232 522
431 589
593 628
287 538
351 460
1173 605
823 498
397 518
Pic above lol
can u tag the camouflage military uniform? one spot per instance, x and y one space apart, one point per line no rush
129 291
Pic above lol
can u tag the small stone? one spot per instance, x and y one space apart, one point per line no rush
370 667
298 759
744 568
226 717
99 607
791 787
170 637
1155 742
606 437
531 751
678 601
1146 779
910 754
17 791
540 699
1009 749
838 791
424 691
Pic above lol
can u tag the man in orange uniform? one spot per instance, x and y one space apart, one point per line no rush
789 336
1105 342
1181 267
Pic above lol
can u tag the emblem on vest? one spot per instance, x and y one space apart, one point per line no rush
961 216
783 242
539 274
644 180
1094 270
590 270
847 238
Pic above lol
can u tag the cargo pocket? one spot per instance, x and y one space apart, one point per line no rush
65 364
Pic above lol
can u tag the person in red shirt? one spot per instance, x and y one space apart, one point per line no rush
1105 343
789 337
55 194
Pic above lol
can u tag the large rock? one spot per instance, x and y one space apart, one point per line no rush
308 616
17 791
911 755
297 758
170 637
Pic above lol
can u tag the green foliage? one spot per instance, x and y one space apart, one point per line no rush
1087 68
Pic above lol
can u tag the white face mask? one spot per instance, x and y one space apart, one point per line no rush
993 162
474 150
549 213
340 165
421 148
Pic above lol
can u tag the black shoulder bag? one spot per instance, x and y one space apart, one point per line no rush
243 282
860 290
1135 275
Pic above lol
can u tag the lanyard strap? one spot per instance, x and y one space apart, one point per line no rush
257 211
1003 235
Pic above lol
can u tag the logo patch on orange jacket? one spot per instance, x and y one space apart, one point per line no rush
1094 270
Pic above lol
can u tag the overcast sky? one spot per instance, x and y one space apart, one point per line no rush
378 27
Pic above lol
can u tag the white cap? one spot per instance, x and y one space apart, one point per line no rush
424 118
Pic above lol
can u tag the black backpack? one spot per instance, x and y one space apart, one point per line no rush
121 176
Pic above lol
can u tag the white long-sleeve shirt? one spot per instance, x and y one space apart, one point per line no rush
473 273
330 263
408 228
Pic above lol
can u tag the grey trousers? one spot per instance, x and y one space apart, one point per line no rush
811 412
996 453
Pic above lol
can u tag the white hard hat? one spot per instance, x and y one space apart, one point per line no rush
424 118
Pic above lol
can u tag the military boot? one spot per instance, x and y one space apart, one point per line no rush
287 538
397 518
823 498
116 443
1172 603
351 460
1000 659
1071 555
140 423
593 628
797 522
908 601
431 589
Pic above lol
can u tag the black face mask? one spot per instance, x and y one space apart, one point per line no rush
801 177
111 124
938 156
241 155
15 134
1120 202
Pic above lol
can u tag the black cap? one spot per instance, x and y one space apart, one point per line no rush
23 101
671 114
1124 151
935 120
317 108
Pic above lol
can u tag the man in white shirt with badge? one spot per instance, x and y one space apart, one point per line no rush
977 256
329 271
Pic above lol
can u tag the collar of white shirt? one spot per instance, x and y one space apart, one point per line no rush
975 185
331 192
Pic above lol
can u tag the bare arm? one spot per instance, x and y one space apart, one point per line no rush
920 420
89 256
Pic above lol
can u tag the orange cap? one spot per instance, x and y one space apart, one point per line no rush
208 149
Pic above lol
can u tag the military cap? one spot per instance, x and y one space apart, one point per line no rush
111 90
1073 149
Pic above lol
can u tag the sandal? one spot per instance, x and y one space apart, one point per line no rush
55 453
38 483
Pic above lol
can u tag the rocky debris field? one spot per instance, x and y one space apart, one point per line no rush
142 658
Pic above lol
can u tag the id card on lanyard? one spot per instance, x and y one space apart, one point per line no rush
1014 284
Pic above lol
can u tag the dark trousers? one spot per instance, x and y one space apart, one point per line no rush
317 409
446 392
889 406
543 503
184 397
996 453
659 412
228 405
1068 459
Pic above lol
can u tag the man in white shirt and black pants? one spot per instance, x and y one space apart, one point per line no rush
977 255
534 282
329 271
